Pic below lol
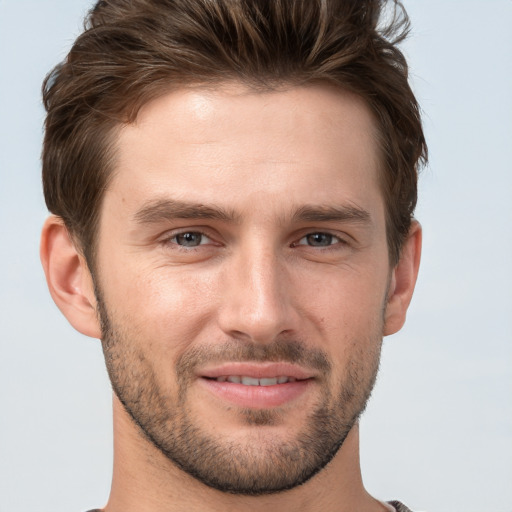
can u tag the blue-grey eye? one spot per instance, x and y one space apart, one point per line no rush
190 239
318 240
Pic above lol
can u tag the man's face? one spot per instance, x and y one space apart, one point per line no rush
242 279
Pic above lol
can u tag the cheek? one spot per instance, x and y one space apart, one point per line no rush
347 312
166 307
346 297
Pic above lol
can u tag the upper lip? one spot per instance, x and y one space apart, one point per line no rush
257 370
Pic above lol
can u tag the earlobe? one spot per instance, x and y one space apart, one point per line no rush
403 281
68 277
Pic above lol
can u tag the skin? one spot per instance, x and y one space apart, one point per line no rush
262 276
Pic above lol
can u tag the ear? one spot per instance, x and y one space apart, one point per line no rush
68 277
403 280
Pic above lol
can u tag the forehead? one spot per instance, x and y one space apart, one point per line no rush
232 145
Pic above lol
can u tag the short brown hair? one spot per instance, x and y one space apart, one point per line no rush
135 50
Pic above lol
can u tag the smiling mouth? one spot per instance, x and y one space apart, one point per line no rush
257 385
252 381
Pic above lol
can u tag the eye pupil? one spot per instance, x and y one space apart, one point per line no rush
189 239
319 239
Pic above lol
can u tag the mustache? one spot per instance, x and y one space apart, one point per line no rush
289 351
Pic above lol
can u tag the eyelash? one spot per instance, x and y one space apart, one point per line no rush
172 240
333 238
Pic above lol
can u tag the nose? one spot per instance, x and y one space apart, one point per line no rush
257 297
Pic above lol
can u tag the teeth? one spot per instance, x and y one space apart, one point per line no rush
269 382
251 381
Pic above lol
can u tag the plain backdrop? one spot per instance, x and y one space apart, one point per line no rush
438 431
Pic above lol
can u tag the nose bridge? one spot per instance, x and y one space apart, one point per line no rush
256 304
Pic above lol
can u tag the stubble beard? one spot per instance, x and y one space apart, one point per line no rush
261 465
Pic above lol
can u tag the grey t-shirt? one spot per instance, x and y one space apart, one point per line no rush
399 507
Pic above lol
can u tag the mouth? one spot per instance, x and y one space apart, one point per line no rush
257 386
253 381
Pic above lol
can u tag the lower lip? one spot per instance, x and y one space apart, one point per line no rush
256 397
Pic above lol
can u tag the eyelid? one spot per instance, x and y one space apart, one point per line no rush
204 238
170 236
339 239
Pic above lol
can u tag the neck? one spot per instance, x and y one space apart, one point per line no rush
144 479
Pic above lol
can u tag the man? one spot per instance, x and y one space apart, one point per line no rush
232 186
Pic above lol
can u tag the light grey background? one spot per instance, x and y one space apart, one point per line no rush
438 431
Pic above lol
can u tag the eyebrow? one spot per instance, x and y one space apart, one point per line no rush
170 209
162 210
310 213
